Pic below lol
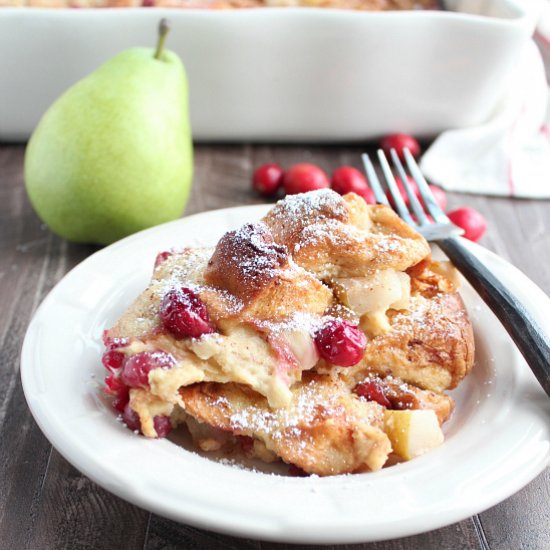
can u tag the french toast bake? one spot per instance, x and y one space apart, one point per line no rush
365 5
323 335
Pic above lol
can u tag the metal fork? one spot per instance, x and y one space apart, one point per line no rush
528 336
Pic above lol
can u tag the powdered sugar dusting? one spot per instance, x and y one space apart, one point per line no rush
187 270
388 245
323 203
306 406
424 315
183 270
255 251
333 231
300 321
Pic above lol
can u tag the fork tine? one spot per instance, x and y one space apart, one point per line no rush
413 200
394 190
427 196
374 182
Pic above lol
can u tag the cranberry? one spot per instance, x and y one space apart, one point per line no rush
368 195
373 391
163 425
440 196
400 142
438 193
348 179
473 223
131 418
184 314
161 256
148 3
340 342
402 190
304 177
135 372
121 401
112 359
267 179
116 387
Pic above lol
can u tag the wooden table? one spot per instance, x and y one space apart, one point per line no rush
45 503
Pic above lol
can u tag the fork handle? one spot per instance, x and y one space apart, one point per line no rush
528 336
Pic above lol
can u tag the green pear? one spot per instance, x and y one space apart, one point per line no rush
113 155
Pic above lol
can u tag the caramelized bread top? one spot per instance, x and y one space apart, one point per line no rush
261 274
334 236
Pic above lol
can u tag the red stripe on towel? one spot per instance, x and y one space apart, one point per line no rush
545 131
511 188
539 37
512 131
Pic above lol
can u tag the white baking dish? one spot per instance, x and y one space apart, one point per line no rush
286 74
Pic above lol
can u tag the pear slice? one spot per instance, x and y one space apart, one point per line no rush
302 346
412 432
384 289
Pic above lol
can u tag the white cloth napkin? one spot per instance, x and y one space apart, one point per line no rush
509 155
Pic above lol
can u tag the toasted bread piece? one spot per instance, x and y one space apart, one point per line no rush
259 273
430 345
325 430
334 236
181 269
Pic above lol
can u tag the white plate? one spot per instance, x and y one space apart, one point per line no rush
496 442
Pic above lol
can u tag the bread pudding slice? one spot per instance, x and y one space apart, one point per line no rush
327 428
323 334
336 237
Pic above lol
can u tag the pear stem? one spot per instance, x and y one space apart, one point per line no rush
164 29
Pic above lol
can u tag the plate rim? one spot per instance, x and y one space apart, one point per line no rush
86 466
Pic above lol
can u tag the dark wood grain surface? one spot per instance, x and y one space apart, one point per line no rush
45 503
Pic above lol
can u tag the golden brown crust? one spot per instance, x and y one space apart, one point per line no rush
259 273
431 345
326 429
334 236
245 261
